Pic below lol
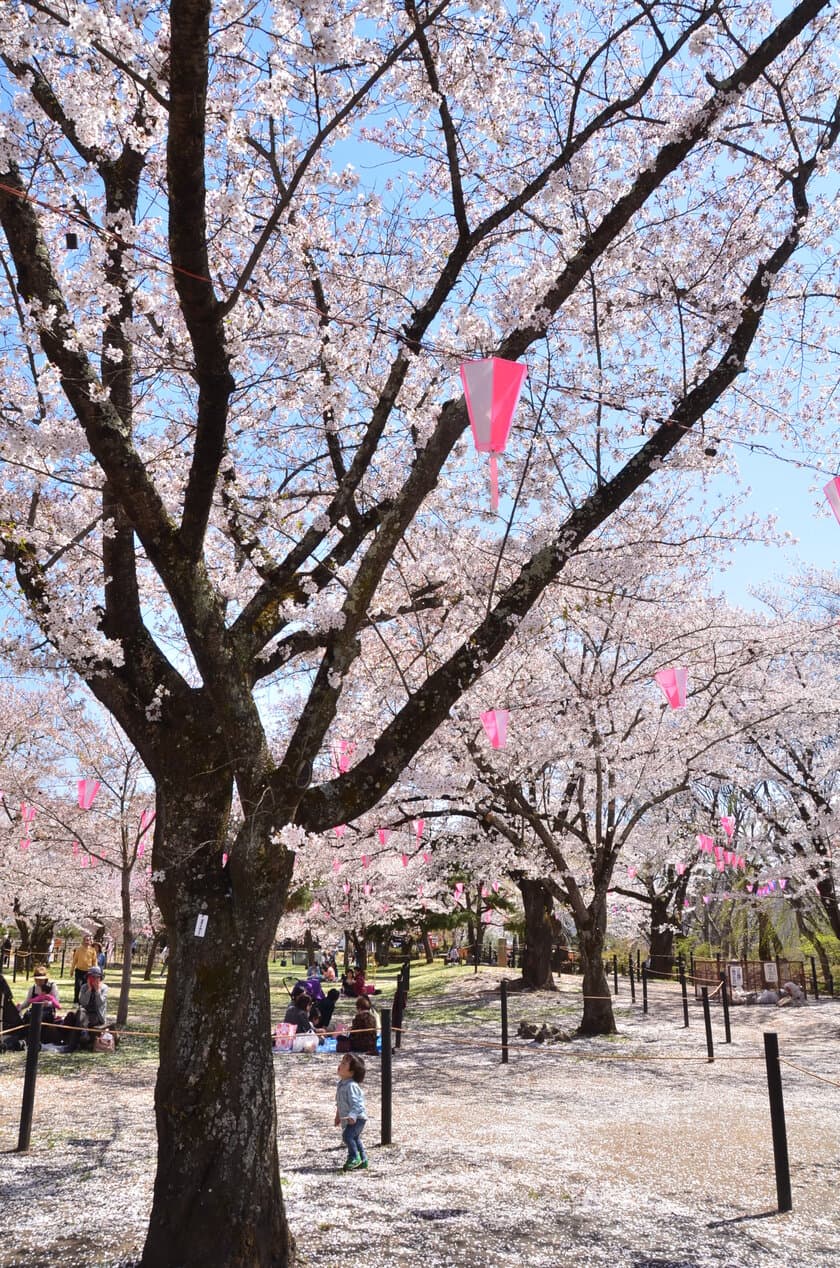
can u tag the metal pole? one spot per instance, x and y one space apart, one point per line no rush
684 989
829 982
504 1022
632 981
707 1021
814 978
724 995
407 974
33 1048
644 988
387 1080
777 1120
615 975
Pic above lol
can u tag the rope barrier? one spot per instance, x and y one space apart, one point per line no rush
811 1073
561 1050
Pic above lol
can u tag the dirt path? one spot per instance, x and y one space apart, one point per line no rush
597 1152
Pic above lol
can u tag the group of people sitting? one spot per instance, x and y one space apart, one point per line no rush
310 1010
85 1026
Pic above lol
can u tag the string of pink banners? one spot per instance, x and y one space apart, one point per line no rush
86 795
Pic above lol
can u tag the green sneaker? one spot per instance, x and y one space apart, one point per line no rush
363 1165
352 1164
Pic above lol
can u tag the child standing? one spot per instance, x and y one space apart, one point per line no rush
350 1112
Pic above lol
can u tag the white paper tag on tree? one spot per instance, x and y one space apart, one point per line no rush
201 926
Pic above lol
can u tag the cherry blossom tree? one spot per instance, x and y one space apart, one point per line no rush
232 429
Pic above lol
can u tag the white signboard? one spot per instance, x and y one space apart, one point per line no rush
201 926
736 977
770 972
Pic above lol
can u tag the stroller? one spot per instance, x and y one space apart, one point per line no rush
10 1019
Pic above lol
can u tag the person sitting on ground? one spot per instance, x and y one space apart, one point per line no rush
42 991
10 1020
363 1028
326 1007
92 1016
298 1012
792 994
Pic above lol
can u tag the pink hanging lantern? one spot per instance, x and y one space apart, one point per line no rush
673 682
728 825
706 899
728 856
75 847
365 860
495 723
631 872
344 755
487 917
340 829
141 849
426 856
832 492
680 867
147 818
704 843
419 825
346 887
224 859
749 888
383 834
495 887
782 882
367 888
27 813
491 390
404 860
25 843
88 788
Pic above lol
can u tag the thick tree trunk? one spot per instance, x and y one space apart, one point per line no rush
309 947
150 958
217 1189
539 935
828 898
217 1196
597 1016
769 945
661 938
427 946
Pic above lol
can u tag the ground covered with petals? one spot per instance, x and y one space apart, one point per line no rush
629 1152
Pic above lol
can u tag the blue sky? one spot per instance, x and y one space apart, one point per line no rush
794 495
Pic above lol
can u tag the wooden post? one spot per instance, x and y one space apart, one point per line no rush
632 982
777 1121
33 1048
724 996
707 1021
814 978
615 975
386 1093
504 1022
644 987
684 989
